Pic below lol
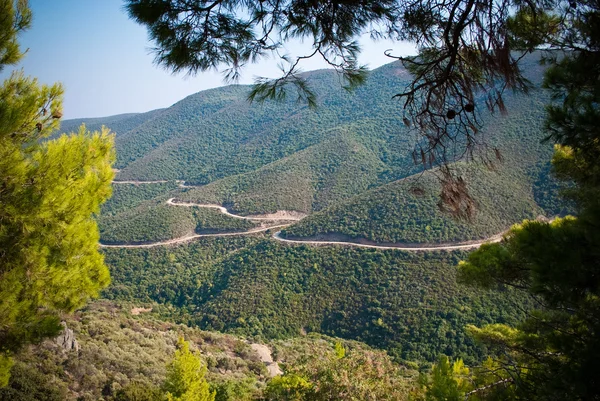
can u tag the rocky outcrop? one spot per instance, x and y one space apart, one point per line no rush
66 339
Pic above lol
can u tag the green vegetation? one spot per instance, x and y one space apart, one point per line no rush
128 196
308 180
123 356
149 221
344 159
552 352
358 374
406 303
532 307
153 221
216 134
406 212
185 376
49 191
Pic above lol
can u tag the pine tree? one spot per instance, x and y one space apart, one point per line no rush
185 376
49 192
554 353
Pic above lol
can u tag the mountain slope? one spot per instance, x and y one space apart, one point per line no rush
409 304
406 211
308 180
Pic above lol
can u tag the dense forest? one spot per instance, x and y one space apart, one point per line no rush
353 174
354 170
406 303
153 220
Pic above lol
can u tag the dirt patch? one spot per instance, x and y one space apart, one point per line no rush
280 215
264 353
137 311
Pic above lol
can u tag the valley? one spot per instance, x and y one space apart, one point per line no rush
417 220
273 220
285 227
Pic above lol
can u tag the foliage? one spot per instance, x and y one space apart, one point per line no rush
406 303
123 356
289 387
469 54
152 221
340 351
359 375
28 384
16 18
552 261
308 180
550 354
235 390
6 363
185 376
448 381
406 211
49 259
128 196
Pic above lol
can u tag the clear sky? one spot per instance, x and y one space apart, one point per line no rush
105 63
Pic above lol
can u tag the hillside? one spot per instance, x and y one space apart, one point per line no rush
399 213
405 211
311 179
124 349
408 304
347 165
152 221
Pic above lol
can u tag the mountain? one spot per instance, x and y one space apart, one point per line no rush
346 164
308 180
349 160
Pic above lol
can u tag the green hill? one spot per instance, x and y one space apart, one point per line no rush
400 213
217 133
153 221
348 165
409 304
311 179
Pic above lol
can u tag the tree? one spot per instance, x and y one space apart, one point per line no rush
553 353
185 376
49 192
290 387
448 381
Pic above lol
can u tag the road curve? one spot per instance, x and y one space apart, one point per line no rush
267 217
180 183
277 235
191 237
399 247
134 182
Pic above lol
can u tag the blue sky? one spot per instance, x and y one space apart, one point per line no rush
104 60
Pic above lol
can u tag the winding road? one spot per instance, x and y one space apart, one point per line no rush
289 218
179 183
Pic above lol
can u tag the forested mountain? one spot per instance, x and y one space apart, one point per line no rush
350 159
408 304
346 164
